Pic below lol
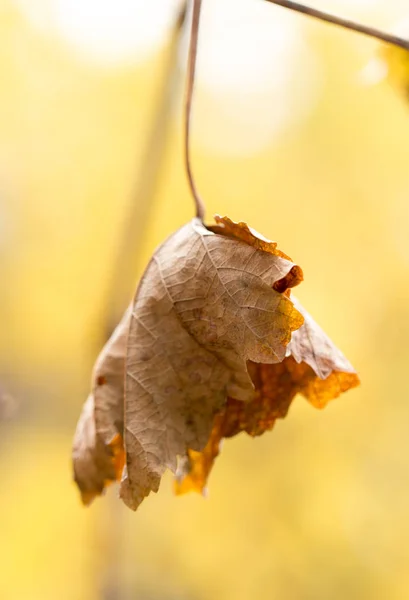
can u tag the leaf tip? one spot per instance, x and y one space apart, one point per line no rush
319 392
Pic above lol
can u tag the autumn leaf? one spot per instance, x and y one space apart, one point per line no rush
208 303
211 346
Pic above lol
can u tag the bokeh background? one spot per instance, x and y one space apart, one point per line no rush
288 136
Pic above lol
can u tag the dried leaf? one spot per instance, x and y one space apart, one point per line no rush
209 348
204 307
314 368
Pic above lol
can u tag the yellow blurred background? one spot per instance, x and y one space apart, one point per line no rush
287 138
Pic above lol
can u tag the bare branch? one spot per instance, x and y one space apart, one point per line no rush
345 23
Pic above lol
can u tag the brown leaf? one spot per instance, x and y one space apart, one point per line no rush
315 368
205 306
209 348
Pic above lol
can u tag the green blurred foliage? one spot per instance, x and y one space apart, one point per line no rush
316 509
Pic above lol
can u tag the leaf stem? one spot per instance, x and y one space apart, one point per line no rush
191 70
345 23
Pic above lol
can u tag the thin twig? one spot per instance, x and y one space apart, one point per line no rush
345 23
191 69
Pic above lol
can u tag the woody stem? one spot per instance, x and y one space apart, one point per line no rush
345 23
